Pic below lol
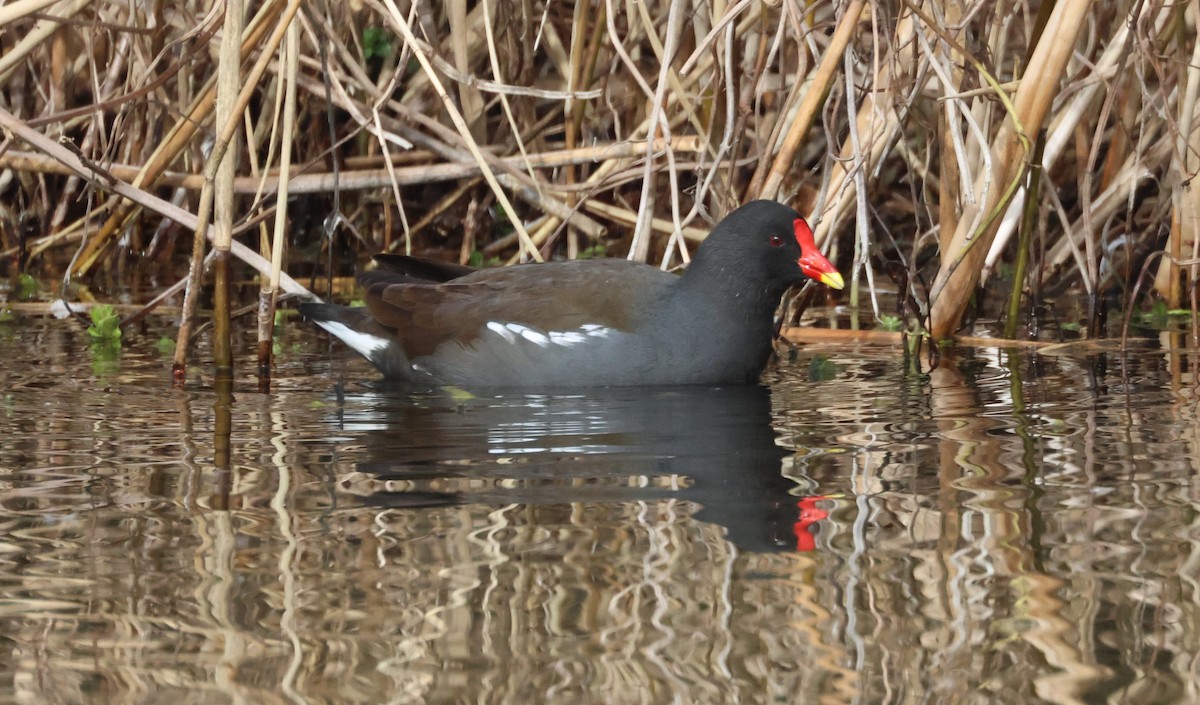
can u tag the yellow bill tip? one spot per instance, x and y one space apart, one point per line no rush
833 280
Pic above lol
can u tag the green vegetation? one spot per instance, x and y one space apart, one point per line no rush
26 288
822 369
105 333
106 323
593 252
1161 317
478 260
891 323
376 43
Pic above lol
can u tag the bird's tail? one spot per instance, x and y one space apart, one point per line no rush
354 326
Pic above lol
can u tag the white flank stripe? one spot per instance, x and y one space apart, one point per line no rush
503 330
364 343
595 329
535 337
516 332
571 338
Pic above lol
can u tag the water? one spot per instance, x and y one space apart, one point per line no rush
1011 527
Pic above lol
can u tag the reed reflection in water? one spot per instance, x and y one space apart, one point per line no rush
1002 529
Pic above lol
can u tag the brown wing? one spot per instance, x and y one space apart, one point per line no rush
559 296
421 268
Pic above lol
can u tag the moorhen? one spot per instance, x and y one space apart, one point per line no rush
586 323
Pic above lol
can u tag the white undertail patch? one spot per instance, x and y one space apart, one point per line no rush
364 343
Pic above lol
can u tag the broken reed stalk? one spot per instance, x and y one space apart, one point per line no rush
224 136
142 199
365 179
228 75
269 292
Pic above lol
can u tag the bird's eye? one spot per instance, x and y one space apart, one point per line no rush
776 241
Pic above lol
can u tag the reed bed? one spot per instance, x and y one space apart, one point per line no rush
504 131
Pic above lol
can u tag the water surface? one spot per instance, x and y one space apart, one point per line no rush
1010 527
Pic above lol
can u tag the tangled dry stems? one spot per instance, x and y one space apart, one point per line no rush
543 130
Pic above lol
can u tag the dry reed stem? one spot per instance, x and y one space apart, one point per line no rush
1068 118
958 276
873 128
227 128
173 144
401 23
143 199
33 40
1185 199
736 87
229 64
658 126
1136 171
269 295
810 107
950 171
460 40
363 179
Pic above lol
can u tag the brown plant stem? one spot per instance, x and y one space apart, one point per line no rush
225 134
228 79
269 291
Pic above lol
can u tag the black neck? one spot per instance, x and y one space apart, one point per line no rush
729 290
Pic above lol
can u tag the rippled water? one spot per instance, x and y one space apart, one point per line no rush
1011 527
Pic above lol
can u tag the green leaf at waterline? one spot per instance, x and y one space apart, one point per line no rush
822 369
27 287
891 323
106 323
1159 317
106 356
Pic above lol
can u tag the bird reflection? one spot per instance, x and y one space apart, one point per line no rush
715 447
